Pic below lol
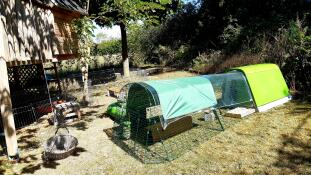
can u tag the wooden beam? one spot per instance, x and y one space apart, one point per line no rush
5 97
26 62
6 111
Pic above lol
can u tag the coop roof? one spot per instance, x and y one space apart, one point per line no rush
182 96
266 82
231 89
64 4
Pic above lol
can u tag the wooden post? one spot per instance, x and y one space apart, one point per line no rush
5 97
6 111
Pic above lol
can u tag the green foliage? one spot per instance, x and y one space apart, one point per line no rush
109 47
84 31
95 63
123 11
228 32
299 39
203 62
140 43
292 51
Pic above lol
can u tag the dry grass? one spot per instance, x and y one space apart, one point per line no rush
275 142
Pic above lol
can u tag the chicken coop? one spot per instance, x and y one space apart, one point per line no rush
166 118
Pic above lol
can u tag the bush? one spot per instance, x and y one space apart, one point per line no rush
95 63
108 47
205 61
291 50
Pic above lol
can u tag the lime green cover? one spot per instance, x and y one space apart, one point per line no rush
266 82
182 96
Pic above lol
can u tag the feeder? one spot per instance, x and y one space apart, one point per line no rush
60 146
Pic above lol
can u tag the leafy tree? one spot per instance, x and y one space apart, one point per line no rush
122 12
84 30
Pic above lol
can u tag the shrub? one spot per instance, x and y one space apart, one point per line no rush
205 61
291 50
108 47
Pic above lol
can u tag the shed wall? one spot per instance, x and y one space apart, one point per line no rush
29 31
34 32
66 42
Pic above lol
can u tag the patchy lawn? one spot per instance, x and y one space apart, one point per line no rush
274 142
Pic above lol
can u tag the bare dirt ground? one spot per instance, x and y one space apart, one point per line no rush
274 142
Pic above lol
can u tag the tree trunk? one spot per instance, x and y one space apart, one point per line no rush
85 77
126 65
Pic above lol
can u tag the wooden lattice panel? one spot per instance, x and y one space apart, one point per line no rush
27 75
28 83
11 74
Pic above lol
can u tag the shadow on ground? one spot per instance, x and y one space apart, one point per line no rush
163 151
28 139
31 168
295 152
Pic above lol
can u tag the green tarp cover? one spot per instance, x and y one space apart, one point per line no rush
266 82
182 96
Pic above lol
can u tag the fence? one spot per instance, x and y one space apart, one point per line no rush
26 115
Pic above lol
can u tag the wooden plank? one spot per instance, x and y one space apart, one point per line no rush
14 26
26 62
46 51
50 31
8 28
4 47
36 27
26 28
65 47
53 40
66 56
63 28
30 30
47 46
6 111
172 129
66 40
21 39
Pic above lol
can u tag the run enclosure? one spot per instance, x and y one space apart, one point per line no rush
157 110
163 116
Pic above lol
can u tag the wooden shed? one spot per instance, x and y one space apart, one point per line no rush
32 33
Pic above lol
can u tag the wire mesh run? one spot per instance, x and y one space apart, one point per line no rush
150 144
26 115
144 138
